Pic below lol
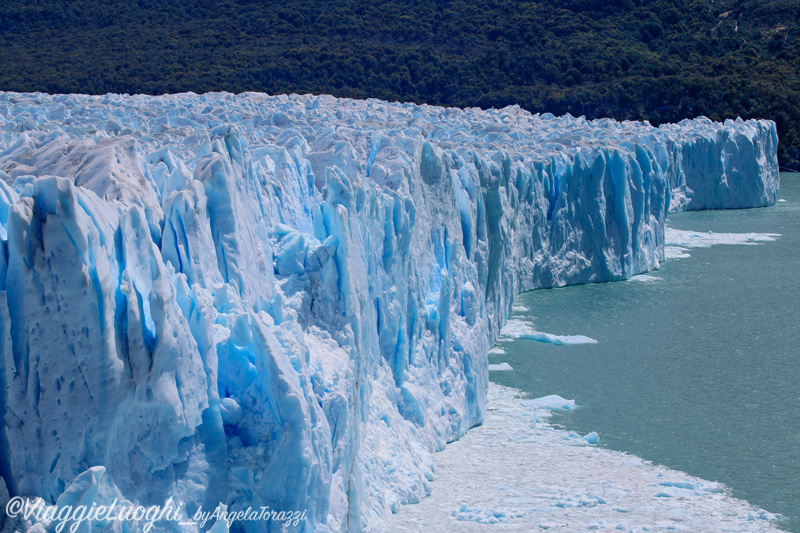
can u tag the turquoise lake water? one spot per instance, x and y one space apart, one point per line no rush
699 370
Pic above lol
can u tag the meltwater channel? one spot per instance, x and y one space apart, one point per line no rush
698 369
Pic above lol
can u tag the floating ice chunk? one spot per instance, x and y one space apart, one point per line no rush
514 328
696 239
591 438
675 252
497 351
500 368
679 242
519 329
520 308
696 485
559 339
761 514
645 278
493 515
553 401
781 200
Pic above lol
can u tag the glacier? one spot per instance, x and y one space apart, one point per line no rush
287 301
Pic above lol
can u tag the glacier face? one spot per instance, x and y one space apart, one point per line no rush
287 301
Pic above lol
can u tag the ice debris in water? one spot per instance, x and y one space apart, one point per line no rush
646 278
520 329
520 474
553 401
592 438
679 242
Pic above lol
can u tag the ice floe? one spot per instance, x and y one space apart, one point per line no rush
516 473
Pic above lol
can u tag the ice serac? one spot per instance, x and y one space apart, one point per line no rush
288 301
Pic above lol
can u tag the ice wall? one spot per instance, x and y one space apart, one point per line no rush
288 301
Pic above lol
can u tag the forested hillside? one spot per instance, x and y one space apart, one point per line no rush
660 60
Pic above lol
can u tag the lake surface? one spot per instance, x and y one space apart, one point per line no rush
698 370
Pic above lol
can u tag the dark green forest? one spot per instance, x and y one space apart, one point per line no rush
659 60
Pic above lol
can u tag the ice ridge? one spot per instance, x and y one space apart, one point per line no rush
288 301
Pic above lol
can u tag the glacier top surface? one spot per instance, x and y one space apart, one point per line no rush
289 119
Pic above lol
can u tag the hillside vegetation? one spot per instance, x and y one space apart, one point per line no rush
657 60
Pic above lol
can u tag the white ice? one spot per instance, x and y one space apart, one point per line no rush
678 243
646 278
520 329
516 473
553 401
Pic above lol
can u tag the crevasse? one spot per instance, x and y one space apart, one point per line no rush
288 301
